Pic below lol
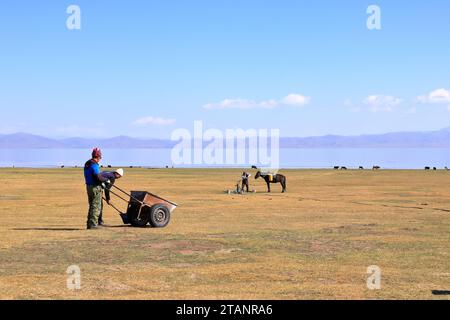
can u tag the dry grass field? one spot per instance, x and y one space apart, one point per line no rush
314 242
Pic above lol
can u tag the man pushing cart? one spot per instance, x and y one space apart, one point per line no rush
143 207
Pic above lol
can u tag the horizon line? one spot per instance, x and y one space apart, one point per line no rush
168 139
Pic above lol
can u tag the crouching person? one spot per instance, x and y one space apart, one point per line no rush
245 183
111 178
94 190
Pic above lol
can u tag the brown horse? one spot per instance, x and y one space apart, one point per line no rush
276 178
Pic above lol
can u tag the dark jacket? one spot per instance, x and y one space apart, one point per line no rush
112 179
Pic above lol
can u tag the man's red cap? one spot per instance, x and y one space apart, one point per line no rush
96 153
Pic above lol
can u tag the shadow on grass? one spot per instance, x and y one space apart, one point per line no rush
441 292
69 229
122 226
47 229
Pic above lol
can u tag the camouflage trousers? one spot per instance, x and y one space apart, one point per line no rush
95 204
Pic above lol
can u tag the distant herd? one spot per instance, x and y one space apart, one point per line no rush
378 168
360 168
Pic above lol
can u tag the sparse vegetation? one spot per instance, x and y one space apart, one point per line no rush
313 242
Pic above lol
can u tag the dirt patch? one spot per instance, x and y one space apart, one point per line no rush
353 228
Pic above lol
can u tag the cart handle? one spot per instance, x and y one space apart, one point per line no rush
128 194
143 203
140 202
111 205
118 196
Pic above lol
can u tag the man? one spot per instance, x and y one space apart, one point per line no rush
94 181
245 183
111 177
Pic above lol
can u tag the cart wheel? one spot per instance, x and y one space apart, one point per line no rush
159 216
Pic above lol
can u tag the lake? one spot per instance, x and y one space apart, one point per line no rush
289 158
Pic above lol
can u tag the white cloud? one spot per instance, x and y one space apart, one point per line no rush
384 103
296 100
436 97
157 121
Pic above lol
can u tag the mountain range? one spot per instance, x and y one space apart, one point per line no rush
428 139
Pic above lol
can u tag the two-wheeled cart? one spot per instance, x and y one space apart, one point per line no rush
144 208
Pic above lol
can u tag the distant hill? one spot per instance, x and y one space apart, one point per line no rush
29 141
121 142
431 139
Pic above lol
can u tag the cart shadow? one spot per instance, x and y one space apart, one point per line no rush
47 229
440 292
125 226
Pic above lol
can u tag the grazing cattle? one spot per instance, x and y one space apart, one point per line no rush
427 168
272 178
255 167
376 168
361 168
343 168
336 168
62 167
434 168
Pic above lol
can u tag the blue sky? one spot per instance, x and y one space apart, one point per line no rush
145 68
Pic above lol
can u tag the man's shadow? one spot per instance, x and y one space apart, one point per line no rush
68 229
47 229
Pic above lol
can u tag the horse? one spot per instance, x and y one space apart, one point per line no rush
276 178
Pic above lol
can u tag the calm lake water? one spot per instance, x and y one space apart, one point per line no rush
289 158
